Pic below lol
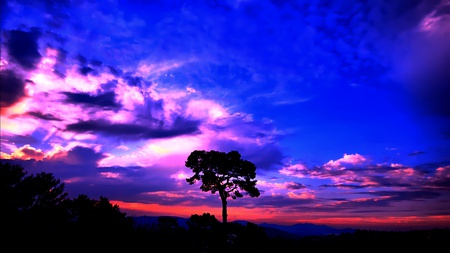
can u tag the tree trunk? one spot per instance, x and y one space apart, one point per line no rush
224 210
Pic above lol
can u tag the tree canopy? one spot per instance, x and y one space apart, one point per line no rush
36 207
226 173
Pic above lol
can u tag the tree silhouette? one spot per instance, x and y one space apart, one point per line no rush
222 172
11 176
206 221
205 233
34 205
35 208
92 217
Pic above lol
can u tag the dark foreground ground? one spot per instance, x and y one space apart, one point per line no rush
246 240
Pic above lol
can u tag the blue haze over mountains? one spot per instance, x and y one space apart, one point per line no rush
272 230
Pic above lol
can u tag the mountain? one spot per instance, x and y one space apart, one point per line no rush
303 229
272 230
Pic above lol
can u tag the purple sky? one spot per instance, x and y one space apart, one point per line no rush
343 106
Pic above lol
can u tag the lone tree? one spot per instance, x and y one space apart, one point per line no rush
222 172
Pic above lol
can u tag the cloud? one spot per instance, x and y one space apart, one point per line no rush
133 80
81 156
23 48
86 70
44 116
180 127
353 159
441 178
25 153
11 88
105 100
415 153
295 170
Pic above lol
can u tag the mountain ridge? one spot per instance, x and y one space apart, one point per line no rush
272 230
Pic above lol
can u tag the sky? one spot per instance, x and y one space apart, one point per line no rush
343 106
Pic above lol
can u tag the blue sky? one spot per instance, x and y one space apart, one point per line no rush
343 106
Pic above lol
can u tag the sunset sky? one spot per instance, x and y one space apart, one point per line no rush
343 106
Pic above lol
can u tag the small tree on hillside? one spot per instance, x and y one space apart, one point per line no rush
222 172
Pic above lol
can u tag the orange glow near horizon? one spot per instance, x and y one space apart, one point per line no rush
234 213
276 216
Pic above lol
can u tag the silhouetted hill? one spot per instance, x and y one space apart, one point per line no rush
304 229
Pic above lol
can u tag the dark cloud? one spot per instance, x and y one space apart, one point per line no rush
106 100
180 127
44 116
84 63
133 80
115 71
86 70
416 153
346 186
60 72
295 186
81 59
82 156
23 48
405 195
110 85
11 88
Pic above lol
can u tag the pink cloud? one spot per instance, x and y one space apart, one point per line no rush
433 23
168 152
402 172
205 109
443 172
353 159
295 170
275 186
302 195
